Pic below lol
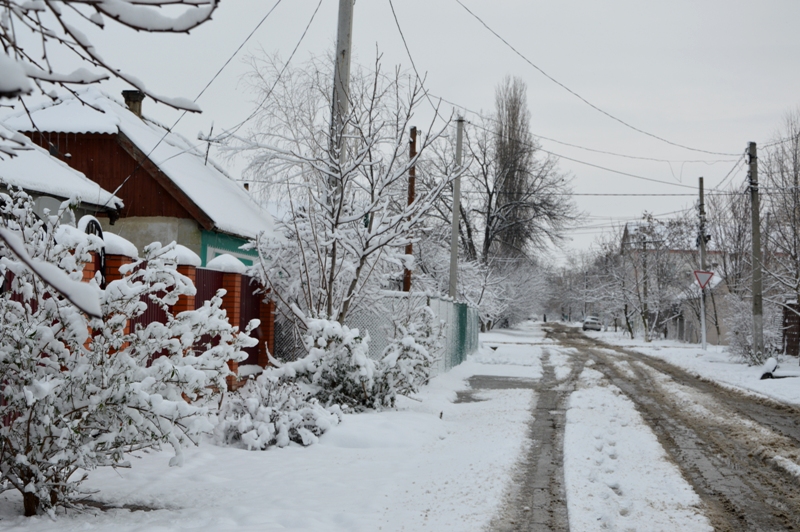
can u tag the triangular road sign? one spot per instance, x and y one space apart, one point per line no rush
703 277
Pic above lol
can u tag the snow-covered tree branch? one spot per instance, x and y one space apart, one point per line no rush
347 220
80 393
41 37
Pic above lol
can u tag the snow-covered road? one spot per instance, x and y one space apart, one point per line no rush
453 458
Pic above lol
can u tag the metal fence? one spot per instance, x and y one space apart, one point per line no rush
461 327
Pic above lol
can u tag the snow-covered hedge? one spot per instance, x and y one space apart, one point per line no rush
270 411
79 393
407 361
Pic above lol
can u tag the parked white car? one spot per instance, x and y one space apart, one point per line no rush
592 323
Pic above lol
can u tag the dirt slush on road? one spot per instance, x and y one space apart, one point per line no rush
726 444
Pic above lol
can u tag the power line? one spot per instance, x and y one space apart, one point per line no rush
592 164
228 133
584 100
214 77
578 146
732 170
436 110
413 64
235 53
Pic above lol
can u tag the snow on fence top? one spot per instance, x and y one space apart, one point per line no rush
226 263
184 256
116 245
35 171
222 199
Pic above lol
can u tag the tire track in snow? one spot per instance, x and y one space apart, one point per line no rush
537 500
731 447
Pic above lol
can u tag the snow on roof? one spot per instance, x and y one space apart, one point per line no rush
35 170
223 200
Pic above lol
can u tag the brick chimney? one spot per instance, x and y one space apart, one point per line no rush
133 99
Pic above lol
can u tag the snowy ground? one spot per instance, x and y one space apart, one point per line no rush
715 364
617 475
433 464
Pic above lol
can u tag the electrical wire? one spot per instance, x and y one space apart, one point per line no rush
578 146
169 130
594 165
730 173
413 64
436 110
584 100
228 133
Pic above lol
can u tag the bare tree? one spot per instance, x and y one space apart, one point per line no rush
520 200
781 188
347 220
729 227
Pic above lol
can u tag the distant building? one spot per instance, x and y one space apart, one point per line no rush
171 191
651 248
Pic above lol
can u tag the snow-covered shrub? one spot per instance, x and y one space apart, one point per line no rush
406 363
338 365
272 411
738 320
78 393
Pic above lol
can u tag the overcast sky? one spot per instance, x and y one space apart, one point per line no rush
711 75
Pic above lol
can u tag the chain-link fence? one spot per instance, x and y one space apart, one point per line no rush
288 339
460 333
462 330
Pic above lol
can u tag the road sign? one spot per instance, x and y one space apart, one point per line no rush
703 277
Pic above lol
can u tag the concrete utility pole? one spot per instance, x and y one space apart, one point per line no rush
412 181
340 102
341 76
453 288
701 240
758 306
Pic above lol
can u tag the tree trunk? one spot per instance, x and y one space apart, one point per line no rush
31 503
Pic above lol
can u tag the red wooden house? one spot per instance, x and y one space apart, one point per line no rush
172 192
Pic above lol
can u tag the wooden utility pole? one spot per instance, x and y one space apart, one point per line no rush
758 306
701 240
645 307
453 286
412 179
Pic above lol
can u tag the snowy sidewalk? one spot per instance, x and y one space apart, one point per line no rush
431 465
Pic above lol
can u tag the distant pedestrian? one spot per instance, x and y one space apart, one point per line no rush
544 318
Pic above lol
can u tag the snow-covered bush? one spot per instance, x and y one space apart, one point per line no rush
79 393
738 320
272 411
285 403
406 363
338 366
